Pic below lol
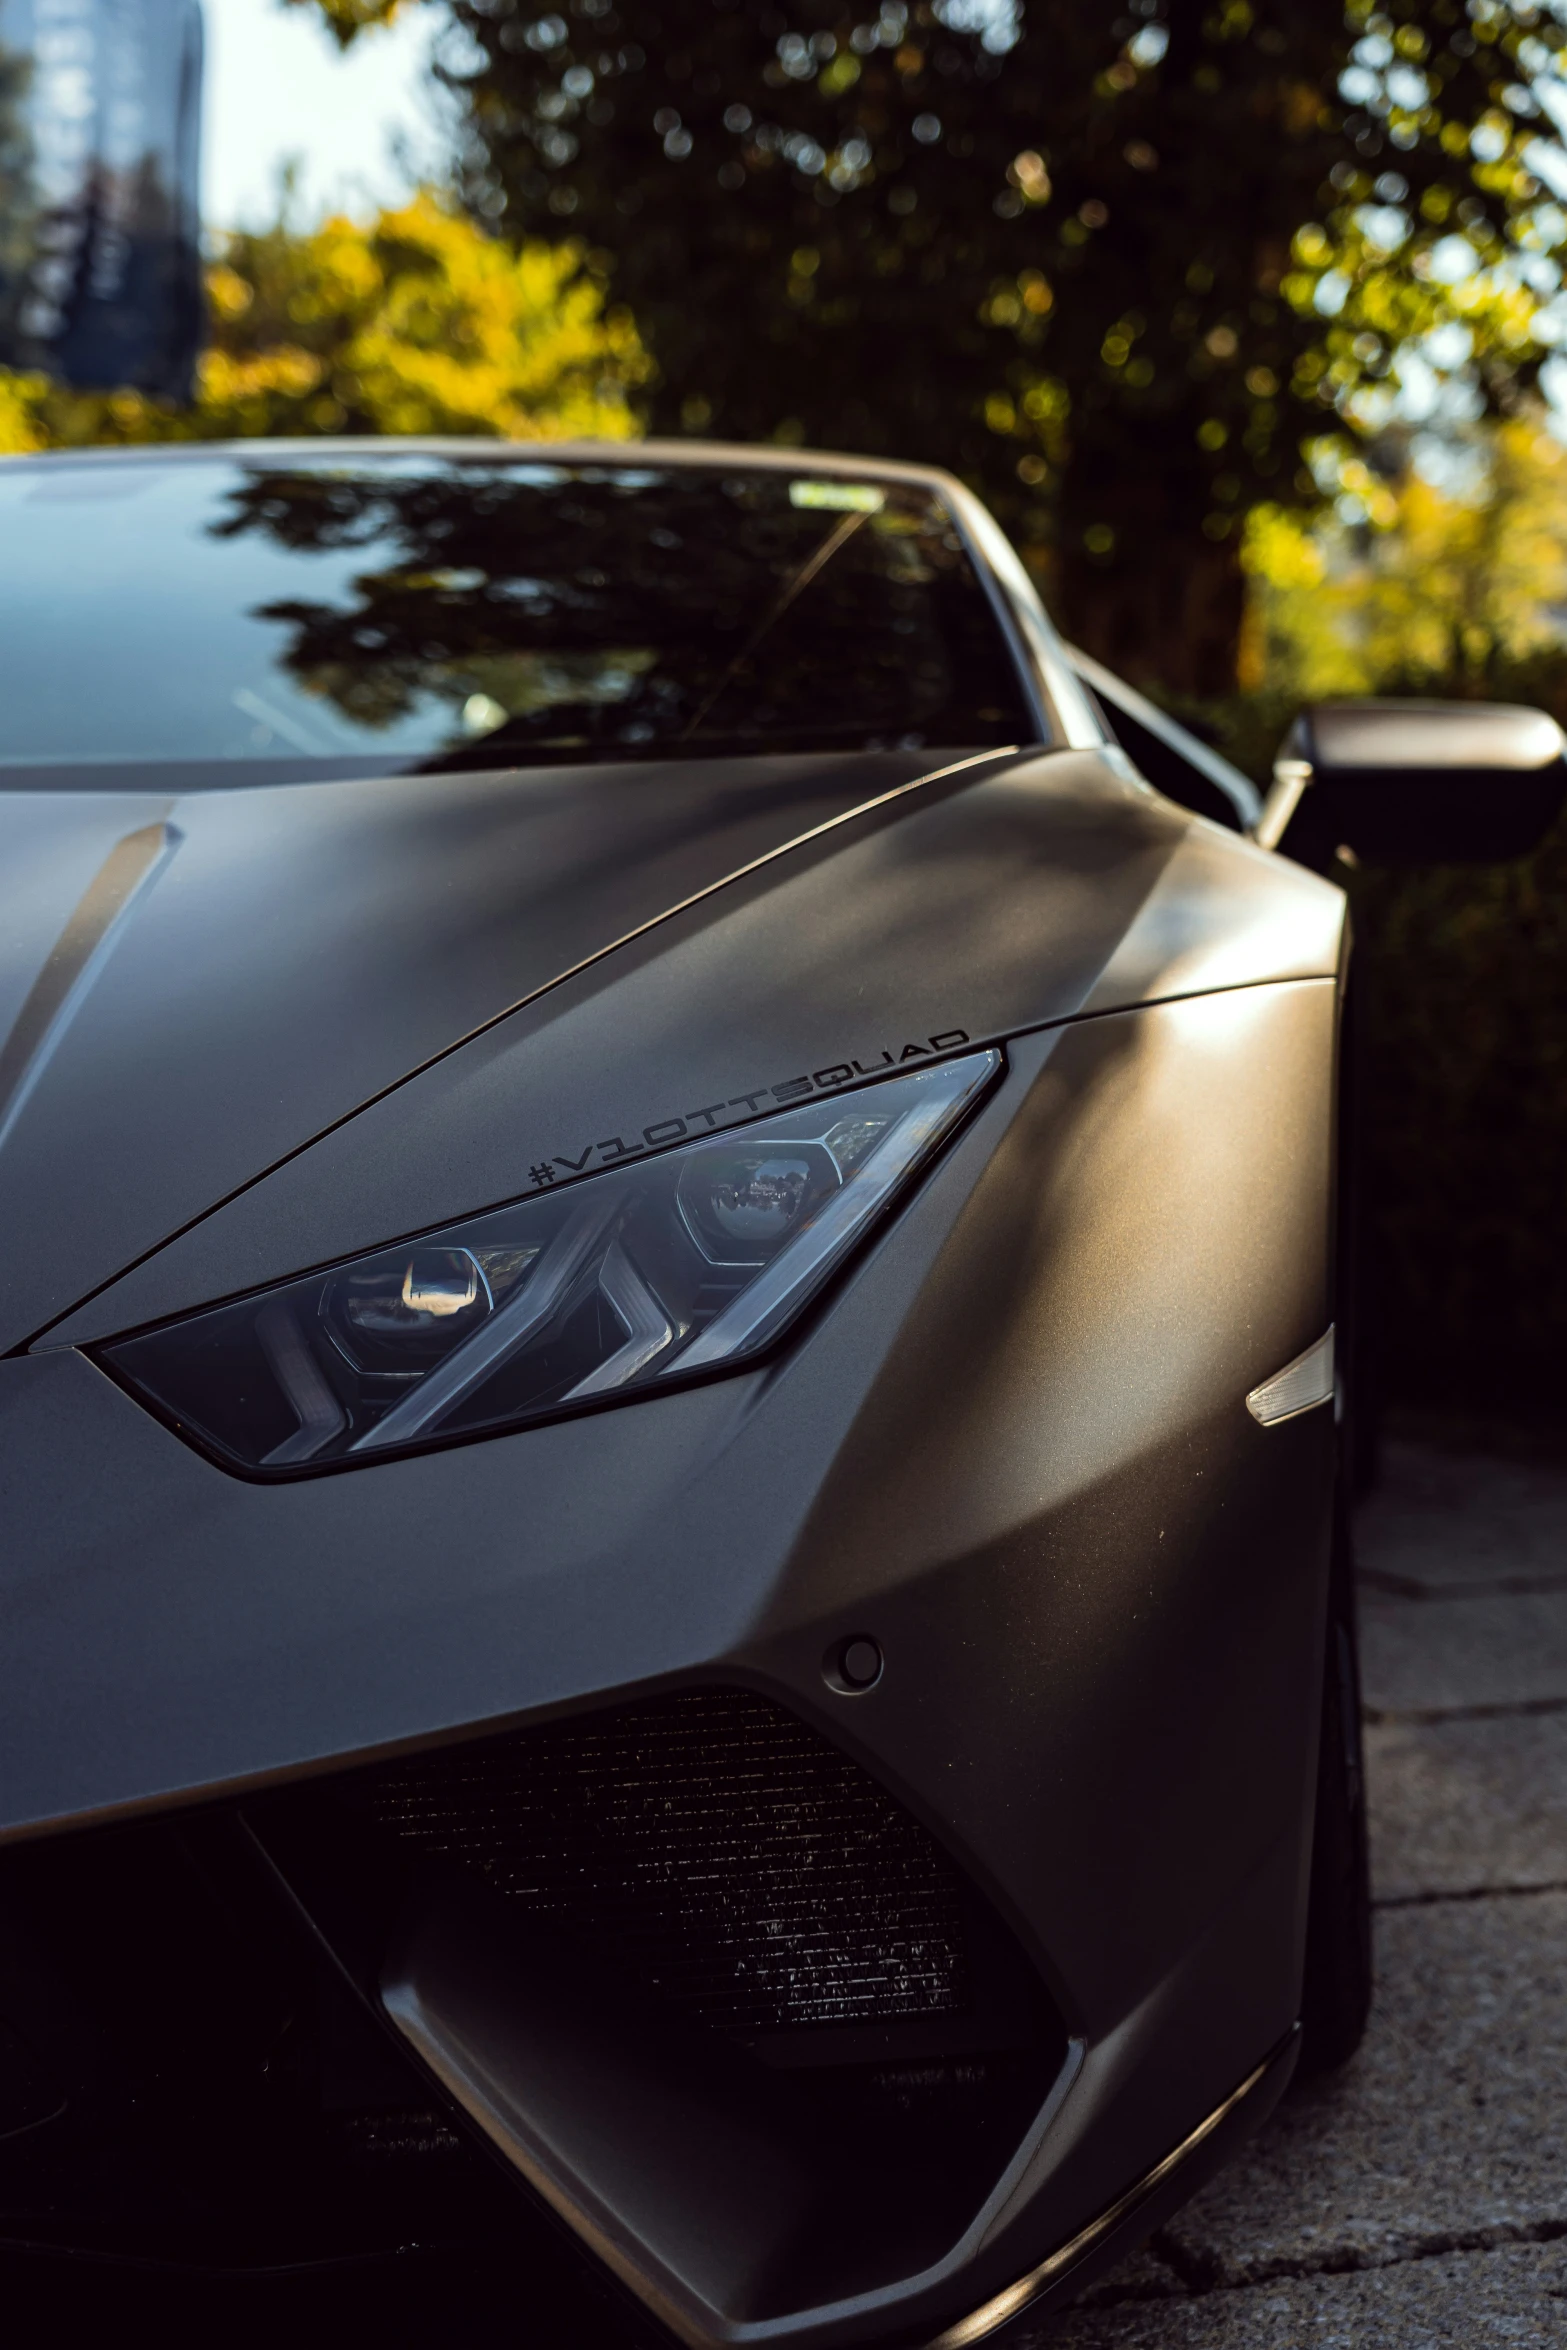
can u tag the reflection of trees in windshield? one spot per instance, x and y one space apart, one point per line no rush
545 611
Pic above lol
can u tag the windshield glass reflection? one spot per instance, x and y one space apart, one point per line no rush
322 616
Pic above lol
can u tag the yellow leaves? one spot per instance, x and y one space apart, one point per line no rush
247 393
798 286
1047 402
1000 413
1040 418
227 291
38 414
1029 176
1377 287
1019 302
1282 550
22 400
348 18
1116 348
1448 579
419 323
1377 501
1212 434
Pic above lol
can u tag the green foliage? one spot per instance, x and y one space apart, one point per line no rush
1456 596
1435 591
1109 268
1468 1109
419 323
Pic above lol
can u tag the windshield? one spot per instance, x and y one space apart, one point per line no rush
322 616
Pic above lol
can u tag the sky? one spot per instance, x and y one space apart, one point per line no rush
277 86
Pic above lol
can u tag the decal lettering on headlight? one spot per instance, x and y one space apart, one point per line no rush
692 1260
664 1131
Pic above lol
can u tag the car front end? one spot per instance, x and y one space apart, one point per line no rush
626 1450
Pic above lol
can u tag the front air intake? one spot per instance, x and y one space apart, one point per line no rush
688 1965
726 1855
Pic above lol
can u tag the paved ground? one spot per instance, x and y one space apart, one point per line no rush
1421 2197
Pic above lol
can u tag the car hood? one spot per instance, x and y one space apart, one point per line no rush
334 1015
192 989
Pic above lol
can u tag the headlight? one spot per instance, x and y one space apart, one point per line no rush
687 1262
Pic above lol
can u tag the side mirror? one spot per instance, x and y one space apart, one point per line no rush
1415 783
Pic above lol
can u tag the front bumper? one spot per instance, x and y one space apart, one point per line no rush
1012 1449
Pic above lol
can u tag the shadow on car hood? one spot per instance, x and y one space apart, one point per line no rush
192 989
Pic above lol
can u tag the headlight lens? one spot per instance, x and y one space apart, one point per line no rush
689 1261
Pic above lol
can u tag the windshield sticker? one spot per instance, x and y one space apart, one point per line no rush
838 497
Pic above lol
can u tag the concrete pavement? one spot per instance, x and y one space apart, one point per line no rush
1419 2198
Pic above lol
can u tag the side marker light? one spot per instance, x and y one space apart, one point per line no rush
1299 1387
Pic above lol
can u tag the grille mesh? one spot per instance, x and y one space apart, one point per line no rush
753 1873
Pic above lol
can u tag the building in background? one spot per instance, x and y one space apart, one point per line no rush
100 121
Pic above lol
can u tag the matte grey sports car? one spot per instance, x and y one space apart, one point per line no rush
672 1530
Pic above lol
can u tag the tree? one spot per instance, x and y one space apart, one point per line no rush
420 323
1447 586
1110 268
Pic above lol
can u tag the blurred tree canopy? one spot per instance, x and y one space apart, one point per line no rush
1453 585
1112 267
418 323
